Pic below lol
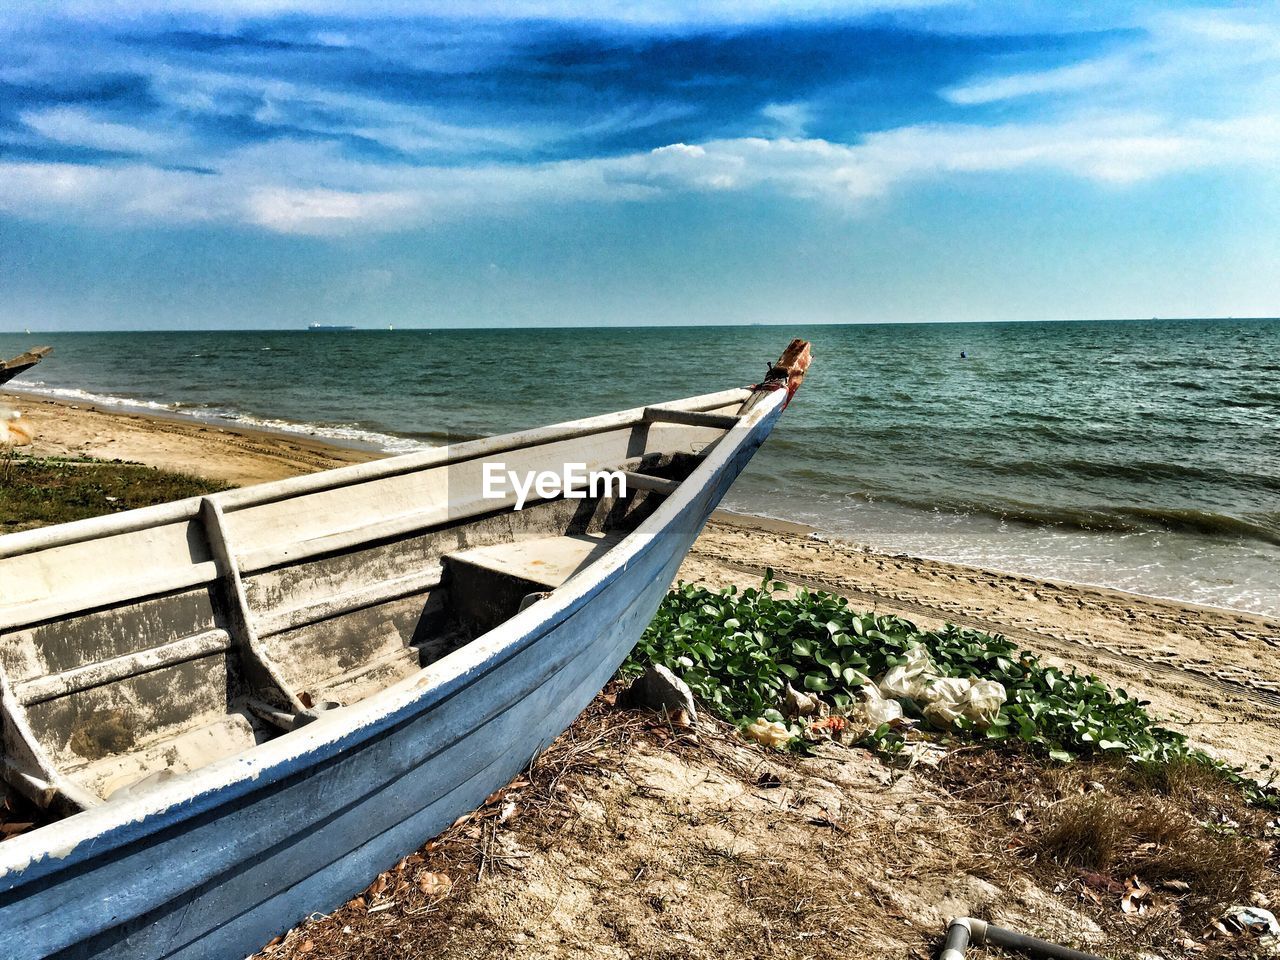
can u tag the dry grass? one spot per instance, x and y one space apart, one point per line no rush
1102 830
631 838
1157 840
1087 832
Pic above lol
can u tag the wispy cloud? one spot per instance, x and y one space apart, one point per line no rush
1070 79
324 125
1192 61
650 12
296 187
78 127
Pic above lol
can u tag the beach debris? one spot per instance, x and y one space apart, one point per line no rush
1137 897
1247 921
771 733
434 884
924 752
797 703
15 430
877 708
838 729
661 690
942 700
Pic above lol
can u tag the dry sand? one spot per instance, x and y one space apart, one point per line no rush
1214 674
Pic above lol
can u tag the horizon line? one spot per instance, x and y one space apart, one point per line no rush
638 326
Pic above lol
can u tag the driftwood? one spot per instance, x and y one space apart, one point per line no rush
22 362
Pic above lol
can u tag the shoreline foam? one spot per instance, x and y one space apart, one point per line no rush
345 435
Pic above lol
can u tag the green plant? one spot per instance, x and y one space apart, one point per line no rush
37 491
738 649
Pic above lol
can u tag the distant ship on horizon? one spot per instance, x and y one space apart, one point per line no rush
328 326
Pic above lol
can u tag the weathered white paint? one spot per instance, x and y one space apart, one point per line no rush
211 792
61 838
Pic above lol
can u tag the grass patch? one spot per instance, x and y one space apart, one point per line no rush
37 492
1085 833
1088 829
738 649
1157 840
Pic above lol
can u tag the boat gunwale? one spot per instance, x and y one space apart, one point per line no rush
143 518
91 833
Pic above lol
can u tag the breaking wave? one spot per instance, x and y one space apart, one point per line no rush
347 434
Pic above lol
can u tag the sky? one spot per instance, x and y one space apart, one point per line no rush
272 163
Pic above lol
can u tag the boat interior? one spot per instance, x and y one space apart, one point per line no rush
141 647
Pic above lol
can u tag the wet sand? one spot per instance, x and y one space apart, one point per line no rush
1214 674
238 455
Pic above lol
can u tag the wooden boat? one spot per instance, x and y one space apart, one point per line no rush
22 363
246 705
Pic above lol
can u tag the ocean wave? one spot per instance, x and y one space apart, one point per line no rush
342 433
1263 527
40 388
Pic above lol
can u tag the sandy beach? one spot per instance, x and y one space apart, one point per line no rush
1210 673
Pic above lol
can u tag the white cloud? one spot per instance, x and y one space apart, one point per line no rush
640 12
791 119
1079 76
75 126
320 211
308 188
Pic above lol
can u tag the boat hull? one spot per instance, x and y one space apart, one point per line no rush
224 873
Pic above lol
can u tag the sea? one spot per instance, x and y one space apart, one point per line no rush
1138 455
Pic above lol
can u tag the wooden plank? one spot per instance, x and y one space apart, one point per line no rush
93 528
260 672
690 418
78 531
457 453
379 593
642 481
113 595
40 689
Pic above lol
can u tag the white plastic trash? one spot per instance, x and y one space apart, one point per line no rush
943 700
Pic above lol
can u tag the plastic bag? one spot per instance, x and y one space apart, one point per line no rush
769 732
799 704
942 713
943 690
943 700
879 710
882 711
902 680
984 701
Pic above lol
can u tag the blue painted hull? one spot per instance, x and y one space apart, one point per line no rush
220 875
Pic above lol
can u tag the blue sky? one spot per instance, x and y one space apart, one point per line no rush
262 164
